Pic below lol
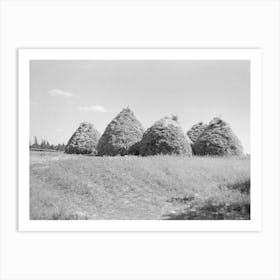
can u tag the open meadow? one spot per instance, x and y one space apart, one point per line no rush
65 186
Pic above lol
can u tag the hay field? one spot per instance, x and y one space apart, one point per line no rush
64 186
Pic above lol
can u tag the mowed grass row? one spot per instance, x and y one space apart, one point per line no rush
159 187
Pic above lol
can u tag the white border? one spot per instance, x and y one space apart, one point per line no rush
254 55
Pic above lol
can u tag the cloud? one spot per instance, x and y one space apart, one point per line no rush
59 92
93 108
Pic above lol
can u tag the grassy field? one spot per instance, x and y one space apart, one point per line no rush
140 188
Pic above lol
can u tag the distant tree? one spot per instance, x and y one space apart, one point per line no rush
43 144
35 145
58 147
46 145
35 141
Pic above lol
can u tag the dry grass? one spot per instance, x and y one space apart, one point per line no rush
160 187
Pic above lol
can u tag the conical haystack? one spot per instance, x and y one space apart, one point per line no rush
196 130
120 134
135 149
84 140
165 137
217 139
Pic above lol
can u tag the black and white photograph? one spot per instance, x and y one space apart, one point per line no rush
140 140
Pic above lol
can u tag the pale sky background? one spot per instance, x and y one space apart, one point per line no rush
65 93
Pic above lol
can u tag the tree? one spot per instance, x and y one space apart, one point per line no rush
43 144
46 145
35 145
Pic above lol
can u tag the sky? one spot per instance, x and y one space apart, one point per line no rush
65 93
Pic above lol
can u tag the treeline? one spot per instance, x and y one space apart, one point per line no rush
45 145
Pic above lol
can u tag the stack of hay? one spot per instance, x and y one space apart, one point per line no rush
120 135
217 139
195 131
125 135
84 140
165 137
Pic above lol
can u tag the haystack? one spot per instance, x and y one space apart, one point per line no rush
196 130
120 134
165 137
135 149
217 139
84 140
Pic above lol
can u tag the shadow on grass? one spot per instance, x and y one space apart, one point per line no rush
243 187
211 211
214 210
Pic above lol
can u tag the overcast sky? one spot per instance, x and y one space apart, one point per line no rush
65 93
